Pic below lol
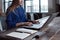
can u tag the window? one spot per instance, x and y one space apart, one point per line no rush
32 5
36 6
6 4
44 6
28 6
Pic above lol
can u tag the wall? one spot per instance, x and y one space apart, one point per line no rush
0 6
52 6
59 1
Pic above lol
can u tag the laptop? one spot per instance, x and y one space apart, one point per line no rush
43 22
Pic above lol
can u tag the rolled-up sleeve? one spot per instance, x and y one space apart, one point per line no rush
9 21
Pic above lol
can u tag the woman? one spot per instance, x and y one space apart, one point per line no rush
16 15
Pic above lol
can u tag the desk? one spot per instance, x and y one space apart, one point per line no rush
44 28
3 35
56 36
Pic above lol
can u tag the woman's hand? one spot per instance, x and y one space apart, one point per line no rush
28 23
35 22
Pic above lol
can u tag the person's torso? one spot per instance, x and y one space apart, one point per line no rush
19 14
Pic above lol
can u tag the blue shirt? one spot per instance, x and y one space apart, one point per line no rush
16 16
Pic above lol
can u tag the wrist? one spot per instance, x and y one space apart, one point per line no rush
23 23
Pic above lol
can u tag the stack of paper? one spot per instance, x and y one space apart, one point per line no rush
18 35
26 30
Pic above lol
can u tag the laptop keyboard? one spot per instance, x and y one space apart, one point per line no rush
39 25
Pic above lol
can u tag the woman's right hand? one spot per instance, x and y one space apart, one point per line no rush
24 24
28 23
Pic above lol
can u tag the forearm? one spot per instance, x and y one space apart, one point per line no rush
24 24
20 24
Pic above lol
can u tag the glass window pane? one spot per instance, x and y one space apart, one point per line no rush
6 6
7 3
35 5
8 0
28 6
44 6
32 6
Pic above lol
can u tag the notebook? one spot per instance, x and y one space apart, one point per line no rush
43 21
23 30
18 35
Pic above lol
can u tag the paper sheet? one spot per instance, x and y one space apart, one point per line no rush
18 35
26 30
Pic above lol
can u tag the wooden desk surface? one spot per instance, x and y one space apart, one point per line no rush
56 36
3 35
